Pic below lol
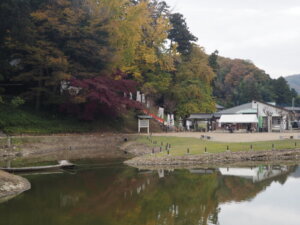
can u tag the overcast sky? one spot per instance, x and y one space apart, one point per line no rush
266 32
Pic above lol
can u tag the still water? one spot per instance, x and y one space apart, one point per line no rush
109 193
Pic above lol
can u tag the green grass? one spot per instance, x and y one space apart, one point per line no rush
179 145
16 121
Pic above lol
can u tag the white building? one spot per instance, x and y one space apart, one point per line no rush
259 115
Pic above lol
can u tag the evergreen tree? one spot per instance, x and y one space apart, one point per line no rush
180 34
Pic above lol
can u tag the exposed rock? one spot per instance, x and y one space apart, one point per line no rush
11 185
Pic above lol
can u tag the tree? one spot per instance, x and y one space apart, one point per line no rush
192 88
213 61
240 81
283 93
180 34
102 95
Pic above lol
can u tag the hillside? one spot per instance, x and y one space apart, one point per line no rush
294 82
239 81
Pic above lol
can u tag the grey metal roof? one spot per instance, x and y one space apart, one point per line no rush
247 108
219 106
144 117
201 116
236 109
292 108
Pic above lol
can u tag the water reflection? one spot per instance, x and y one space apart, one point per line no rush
128 196
255 174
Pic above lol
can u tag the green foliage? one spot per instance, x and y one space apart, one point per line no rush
213 61
180 33
23 121
192 89
283 93
240 81
17 101
54 41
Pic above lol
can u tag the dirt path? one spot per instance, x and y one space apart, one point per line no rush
235 137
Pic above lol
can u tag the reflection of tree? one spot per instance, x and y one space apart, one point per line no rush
124 197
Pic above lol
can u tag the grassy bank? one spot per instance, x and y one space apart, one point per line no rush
16 121
196 146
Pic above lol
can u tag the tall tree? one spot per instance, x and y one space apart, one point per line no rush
283 92
180 34
192 89
213 61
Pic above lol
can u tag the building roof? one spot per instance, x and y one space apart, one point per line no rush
144 117
239 118
292 108
219 106
247 108
236 109
201 116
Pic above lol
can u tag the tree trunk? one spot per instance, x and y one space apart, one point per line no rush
38 94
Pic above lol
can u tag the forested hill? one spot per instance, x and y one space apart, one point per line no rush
104 50
294 82
239 81
86 57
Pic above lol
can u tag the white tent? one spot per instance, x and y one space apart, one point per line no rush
239 118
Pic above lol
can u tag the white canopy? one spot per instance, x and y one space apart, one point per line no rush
239 118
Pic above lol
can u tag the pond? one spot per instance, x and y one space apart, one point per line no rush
110 193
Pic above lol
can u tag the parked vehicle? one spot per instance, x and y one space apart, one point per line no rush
296 124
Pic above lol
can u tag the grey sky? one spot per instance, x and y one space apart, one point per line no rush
266 32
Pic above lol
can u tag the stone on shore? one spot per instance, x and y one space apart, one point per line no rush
11 185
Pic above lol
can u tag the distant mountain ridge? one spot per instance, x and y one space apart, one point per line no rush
294 82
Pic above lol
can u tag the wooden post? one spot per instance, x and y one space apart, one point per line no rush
8 142
188 151
8 164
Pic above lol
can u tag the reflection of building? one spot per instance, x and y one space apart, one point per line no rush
296 173
256 174
161 173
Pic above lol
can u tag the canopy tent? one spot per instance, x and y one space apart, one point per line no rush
239 118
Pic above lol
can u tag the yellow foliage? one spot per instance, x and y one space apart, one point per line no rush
79 99
39 15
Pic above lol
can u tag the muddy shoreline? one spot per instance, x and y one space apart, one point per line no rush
69 147
35 149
